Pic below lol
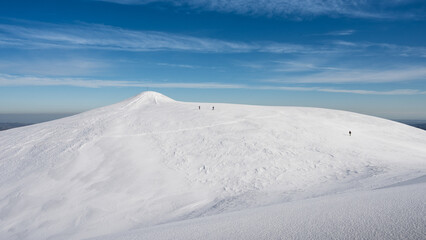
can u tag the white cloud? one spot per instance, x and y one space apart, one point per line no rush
297 66
370 92
289 8
114 38
95 36
11 80
178 65
358 76
341 33
393 49
346 43
52 66
352 91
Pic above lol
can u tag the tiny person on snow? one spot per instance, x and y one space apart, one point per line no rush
350 133
213 108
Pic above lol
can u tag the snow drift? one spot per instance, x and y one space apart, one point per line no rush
154 163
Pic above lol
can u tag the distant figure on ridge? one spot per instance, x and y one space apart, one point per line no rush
350 133
213 108
199 107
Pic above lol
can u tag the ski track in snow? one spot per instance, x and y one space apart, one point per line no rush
189 129
151 161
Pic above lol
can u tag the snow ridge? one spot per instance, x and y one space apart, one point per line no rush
151 160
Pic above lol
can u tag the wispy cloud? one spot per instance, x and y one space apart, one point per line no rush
178 65
11 80
371 92
347 44
291 8
15 80
62 66
113 38
296 66
340 33
352 91
393 49
103 37
358 76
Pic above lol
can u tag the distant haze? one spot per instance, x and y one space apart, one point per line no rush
31 117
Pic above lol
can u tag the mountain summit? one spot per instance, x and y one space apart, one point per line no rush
150 97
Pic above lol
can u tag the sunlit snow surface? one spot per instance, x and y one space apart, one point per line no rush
154 168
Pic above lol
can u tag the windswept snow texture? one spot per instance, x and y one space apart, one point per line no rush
380 214
151 167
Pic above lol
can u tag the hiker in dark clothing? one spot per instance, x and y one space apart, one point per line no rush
199 107
350 133
213 108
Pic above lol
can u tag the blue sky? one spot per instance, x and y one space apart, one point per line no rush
71 56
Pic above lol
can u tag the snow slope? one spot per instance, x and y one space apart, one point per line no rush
151 163
397 213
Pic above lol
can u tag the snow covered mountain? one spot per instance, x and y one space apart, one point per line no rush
151 167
